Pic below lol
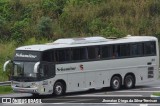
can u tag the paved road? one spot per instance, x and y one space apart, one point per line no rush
94 96
82 105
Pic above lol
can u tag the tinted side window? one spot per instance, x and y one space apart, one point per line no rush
149 48
46 70
116 51
107 51
48 56
93 52
62 55
79 53
125 50
137 49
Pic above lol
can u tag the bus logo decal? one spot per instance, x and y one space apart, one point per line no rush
81 67
25 55
66 69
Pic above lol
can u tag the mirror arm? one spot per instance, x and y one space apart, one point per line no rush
36 67
5 64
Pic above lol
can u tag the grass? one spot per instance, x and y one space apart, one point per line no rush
5 89
156 93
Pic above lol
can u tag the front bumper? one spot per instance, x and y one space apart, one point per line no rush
25 90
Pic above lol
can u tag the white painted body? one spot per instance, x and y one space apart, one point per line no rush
96 74
98 71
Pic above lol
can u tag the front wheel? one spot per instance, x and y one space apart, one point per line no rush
58 89
129 82
116 83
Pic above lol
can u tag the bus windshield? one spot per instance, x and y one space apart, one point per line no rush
24 69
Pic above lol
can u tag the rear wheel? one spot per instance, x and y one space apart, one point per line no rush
129 81
58 89
116 83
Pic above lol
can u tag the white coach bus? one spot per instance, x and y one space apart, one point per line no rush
78 64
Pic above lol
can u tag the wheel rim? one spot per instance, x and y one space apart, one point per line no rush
129 82
58 89
116 84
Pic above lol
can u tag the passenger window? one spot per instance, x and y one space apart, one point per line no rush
116 51
93 52
137 49
48 56
125 50
149 48
107 51
62 55
79 54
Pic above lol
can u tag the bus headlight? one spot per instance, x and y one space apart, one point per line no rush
41 89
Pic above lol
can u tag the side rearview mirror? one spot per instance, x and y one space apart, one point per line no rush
36 66
5 65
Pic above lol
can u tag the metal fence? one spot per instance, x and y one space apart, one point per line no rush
6 83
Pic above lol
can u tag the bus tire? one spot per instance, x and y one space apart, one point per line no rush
129 81
58 89
116 82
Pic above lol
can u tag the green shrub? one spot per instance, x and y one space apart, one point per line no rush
45 27
95 26
111 31
53 8
5 9
6 53
2 24
18 31
154 8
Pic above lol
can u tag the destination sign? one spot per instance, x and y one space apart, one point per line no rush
27 55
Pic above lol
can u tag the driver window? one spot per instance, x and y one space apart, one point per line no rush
41 71
15 70
47 70
18 70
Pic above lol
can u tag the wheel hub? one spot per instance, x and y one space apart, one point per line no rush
58 89
129 82
116 83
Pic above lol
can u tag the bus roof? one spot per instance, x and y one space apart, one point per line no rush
86 41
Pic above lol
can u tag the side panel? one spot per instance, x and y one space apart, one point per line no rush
91 80
96 74
74 76
76 81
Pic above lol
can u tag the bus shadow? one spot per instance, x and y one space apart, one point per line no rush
91 91
102 90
